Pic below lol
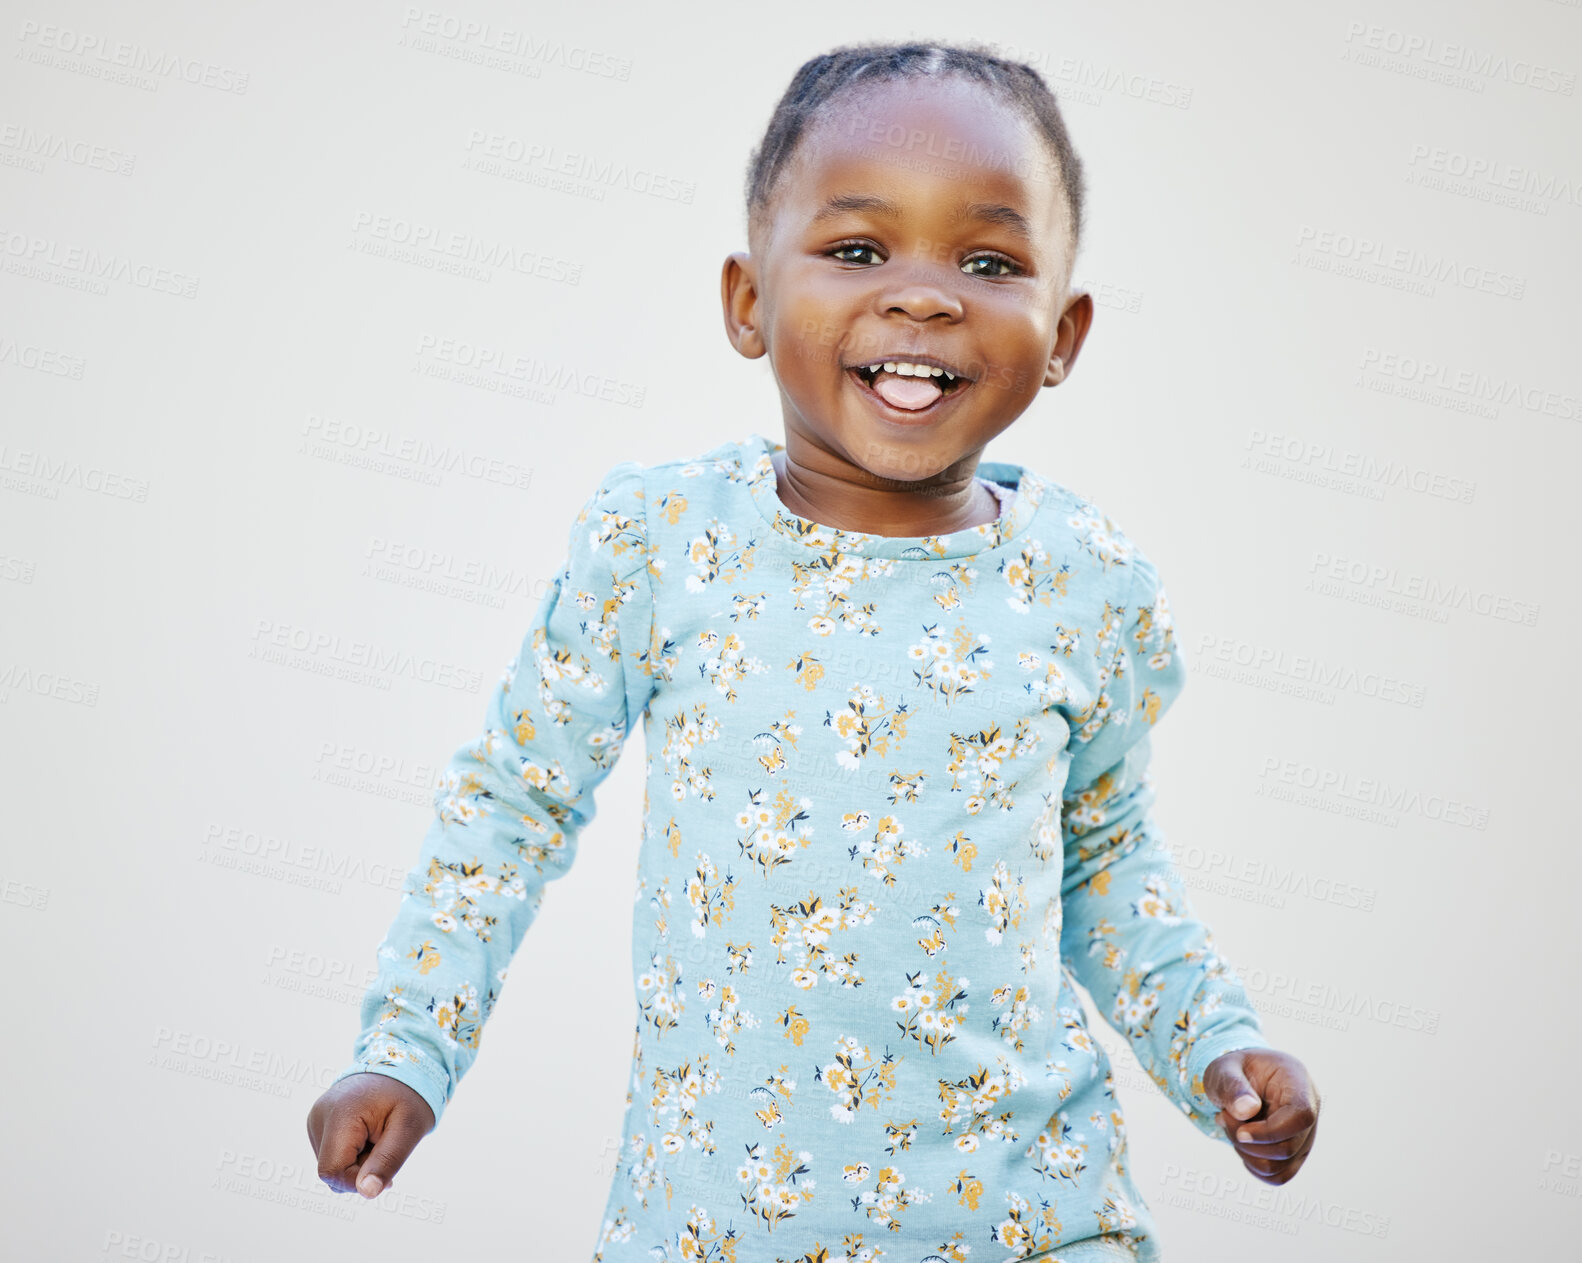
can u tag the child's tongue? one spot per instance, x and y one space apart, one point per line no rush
910 393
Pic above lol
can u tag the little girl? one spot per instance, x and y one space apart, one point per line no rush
897 704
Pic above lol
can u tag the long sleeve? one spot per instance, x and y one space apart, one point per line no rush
512 803
1129 933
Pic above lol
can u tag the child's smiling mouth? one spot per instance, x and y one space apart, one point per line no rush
910 385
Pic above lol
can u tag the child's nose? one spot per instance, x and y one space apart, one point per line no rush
921 293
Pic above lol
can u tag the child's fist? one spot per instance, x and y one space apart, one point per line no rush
1268 1107
363 1128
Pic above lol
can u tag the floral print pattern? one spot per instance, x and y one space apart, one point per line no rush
898 809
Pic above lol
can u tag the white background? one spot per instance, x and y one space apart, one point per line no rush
1253 375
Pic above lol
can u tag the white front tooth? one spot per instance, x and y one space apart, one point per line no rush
935 372
889 366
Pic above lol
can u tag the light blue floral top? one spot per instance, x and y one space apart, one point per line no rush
896 805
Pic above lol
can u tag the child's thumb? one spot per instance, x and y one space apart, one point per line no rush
1233 1091
401 1134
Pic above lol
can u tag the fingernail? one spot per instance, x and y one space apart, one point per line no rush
370 1185
1244 1135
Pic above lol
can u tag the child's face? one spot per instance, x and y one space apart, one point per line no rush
834 285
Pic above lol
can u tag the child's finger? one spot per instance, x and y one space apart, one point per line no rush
1287 1147
1283 1122
345 1136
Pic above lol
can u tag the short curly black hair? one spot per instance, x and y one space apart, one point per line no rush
820 79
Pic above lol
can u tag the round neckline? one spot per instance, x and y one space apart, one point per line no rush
763 484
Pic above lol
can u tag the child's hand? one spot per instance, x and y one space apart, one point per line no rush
1266 1096
363 1128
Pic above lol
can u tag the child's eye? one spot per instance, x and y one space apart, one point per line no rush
850 247
1008 265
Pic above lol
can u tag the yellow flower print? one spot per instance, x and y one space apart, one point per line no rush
883 853
710 896
1099 536
867 724
657 998
1032 576
727 1019
1057 1154
1020 1017
856 1078
898 1138
806 927
1004 902
809 670
1025 1231
672 1109
725 662
426 955
797 1026
931 1014
980 757
771 834
774 1188
889 1199
969 1105
684 736
716 557
457 893
950 667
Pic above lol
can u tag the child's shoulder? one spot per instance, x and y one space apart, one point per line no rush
1081 527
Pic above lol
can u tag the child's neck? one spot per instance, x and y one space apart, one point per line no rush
823 496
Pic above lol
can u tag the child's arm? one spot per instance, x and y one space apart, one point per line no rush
512 803
1129 933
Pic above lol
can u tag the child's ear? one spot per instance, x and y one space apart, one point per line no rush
1075 322
739 297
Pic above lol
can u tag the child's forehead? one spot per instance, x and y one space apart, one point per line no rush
909 113
890 159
